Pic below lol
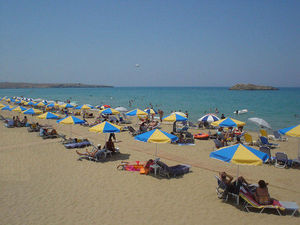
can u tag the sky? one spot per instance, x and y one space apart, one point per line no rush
174 42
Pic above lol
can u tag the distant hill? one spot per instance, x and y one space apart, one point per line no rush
49 85
251 87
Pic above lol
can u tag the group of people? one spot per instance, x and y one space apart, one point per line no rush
20 123
144 126
229 135
260 192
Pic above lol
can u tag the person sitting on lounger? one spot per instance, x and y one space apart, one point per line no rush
232 186
261 194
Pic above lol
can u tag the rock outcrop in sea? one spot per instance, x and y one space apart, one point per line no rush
252 87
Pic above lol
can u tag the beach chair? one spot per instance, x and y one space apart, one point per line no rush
265 142
172 171
248 139
263 132
189 138
278 137
268 152
281 160
9 124
132 131
218 143
220 189
249 202
182 130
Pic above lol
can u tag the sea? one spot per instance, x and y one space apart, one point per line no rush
279 108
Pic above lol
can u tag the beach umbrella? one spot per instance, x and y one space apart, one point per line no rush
18 109
70 120
156 136
173 117
260 122
49 115
240 154
7 107
136 112
179 113
1 105
209 118
83 107
228 122
68 105
150 111
121 109
293 131
106 127
40 104
109 111
32 111
52 105
30 103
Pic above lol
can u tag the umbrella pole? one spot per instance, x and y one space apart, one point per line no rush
237 174
155 150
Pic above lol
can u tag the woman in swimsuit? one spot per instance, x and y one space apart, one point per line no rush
262 195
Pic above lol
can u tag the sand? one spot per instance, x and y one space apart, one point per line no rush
41 182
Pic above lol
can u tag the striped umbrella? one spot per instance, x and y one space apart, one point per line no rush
1 105
293 131
156 136
136 112
228 122
70 120
150 111
7 107
66 106
209 118
32 111
85 106
174 117
109 111
18 109
52 105
49 115
106 127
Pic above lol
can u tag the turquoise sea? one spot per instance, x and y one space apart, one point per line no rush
279 108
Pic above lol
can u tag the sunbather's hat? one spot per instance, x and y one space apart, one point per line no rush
99 145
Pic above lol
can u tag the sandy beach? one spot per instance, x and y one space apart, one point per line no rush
42 182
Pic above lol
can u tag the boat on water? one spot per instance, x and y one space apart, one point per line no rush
242 111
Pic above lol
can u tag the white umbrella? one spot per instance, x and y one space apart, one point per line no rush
209 118
121 109
260 122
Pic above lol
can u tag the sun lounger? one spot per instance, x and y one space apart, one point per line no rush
220 191
9 124
268 152
172 171
249 202
132 131
96 155
278 137
266 143
80 144
281 160
248 139
218 143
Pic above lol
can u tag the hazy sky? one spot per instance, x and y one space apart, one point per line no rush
176 42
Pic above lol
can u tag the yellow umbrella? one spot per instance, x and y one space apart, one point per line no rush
228 122
1 105
106 127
